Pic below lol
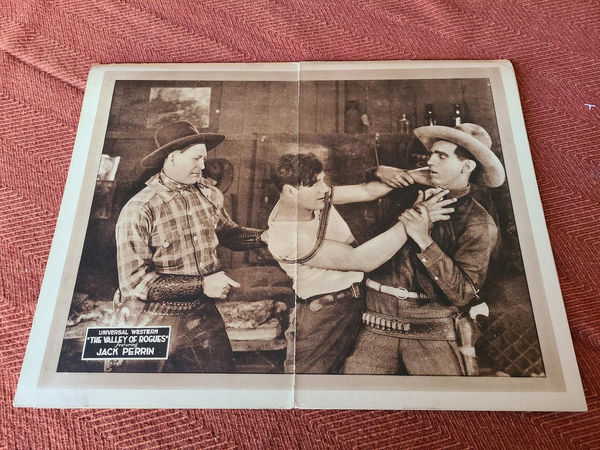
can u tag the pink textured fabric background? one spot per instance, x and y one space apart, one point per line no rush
46 50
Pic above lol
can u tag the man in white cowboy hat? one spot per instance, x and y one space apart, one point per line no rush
169 273
416 301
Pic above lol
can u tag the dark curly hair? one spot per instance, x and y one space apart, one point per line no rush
297 169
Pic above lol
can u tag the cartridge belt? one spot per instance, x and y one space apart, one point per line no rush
316 302
439 329
398 292
170 308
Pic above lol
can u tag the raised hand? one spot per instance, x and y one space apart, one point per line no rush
394 177
437 206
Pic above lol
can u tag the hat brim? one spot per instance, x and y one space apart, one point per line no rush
157 157
492 172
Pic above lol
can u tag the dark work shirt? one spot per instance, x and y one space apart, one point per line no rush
447 271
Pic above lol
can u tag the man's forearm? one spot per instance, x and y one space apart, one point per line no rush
449 276
423 241
381 248
365 258
241 238
377 189
356 193
461 275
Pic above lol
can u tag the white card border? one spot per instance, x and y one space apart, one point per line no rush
315 391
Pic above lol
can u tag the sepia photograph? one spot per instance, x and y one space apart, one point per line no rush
332 235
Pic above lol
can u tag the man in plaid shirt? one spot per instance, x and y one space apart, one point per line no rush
169 273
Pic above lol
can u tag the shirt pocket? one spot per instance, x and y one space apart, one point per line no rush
168 251
205 238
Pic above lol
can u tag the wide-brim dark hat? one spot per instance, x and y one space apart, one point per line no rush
476 140
176 136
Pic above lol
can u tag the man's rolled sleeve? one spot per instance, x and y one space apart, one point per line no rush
459 276
225 223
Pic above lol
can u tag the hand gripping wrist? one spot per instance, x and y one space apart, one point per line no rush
176 288
424 242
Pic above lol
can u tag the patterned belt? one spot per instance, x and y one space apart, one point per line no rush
316 302
170 308
426 329
398 292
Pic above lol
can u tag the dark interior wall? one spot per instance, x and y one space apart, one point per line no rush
261 121
244 112
324 104
330 117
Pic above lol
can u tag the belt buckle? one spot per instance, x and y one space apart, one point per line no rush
402 293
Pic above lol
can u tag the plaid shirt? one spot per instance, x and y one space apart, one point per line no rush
169 228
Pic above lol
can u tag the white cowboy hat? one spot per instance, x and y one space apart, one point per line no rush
476 140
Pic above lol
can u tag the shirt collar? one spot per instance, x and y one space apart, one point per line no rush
167 188
462 195
171 184
460 192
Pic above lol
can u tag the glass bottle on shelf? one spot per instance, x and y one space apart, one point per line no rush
456 118
429 115
404 125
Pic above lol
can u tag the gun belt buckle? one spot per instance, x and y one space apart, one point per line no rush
401 293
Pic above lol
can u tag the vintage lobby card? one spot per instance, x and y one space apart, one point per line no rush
406 263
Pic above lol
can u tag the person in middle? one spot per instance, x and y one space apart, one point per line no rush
315 247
